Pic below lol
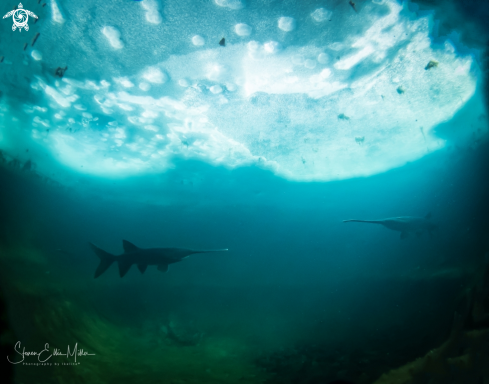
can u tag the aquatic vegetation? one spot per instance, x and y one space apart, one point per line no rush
139 354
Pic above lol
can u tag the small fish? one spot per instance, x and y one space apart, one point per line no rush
353 6
431 64
60 71
360 140
400 90
342 116
1 59
222 43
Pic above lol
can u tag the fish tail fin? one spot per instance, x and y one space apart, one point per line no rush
106 259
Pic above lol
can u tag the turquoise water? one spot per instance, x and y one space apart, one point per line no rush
308 114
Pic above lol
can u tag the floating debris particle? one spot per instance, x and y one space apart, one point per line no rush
25 46
35 39
44 5
360 140
342 116
222 43
1 59
400 90
61 71
431 64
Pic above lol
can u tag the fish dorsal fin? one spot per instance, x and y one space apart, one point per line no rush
428 216
129 247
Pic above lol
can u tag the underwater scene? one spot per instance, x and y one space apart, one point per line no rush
244 191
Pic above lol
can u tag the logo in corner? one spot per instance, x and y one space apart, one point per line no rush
20 16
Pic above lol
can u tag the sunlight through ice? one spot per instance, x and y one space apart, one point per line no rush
352 103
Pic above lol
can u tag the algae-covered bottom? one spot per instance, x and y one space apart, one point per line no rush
147 332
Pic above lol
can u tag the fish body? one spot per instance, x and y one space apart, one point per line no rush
404 224
162 257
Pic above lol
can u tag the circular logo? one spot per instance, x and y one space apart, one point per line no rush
20 18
